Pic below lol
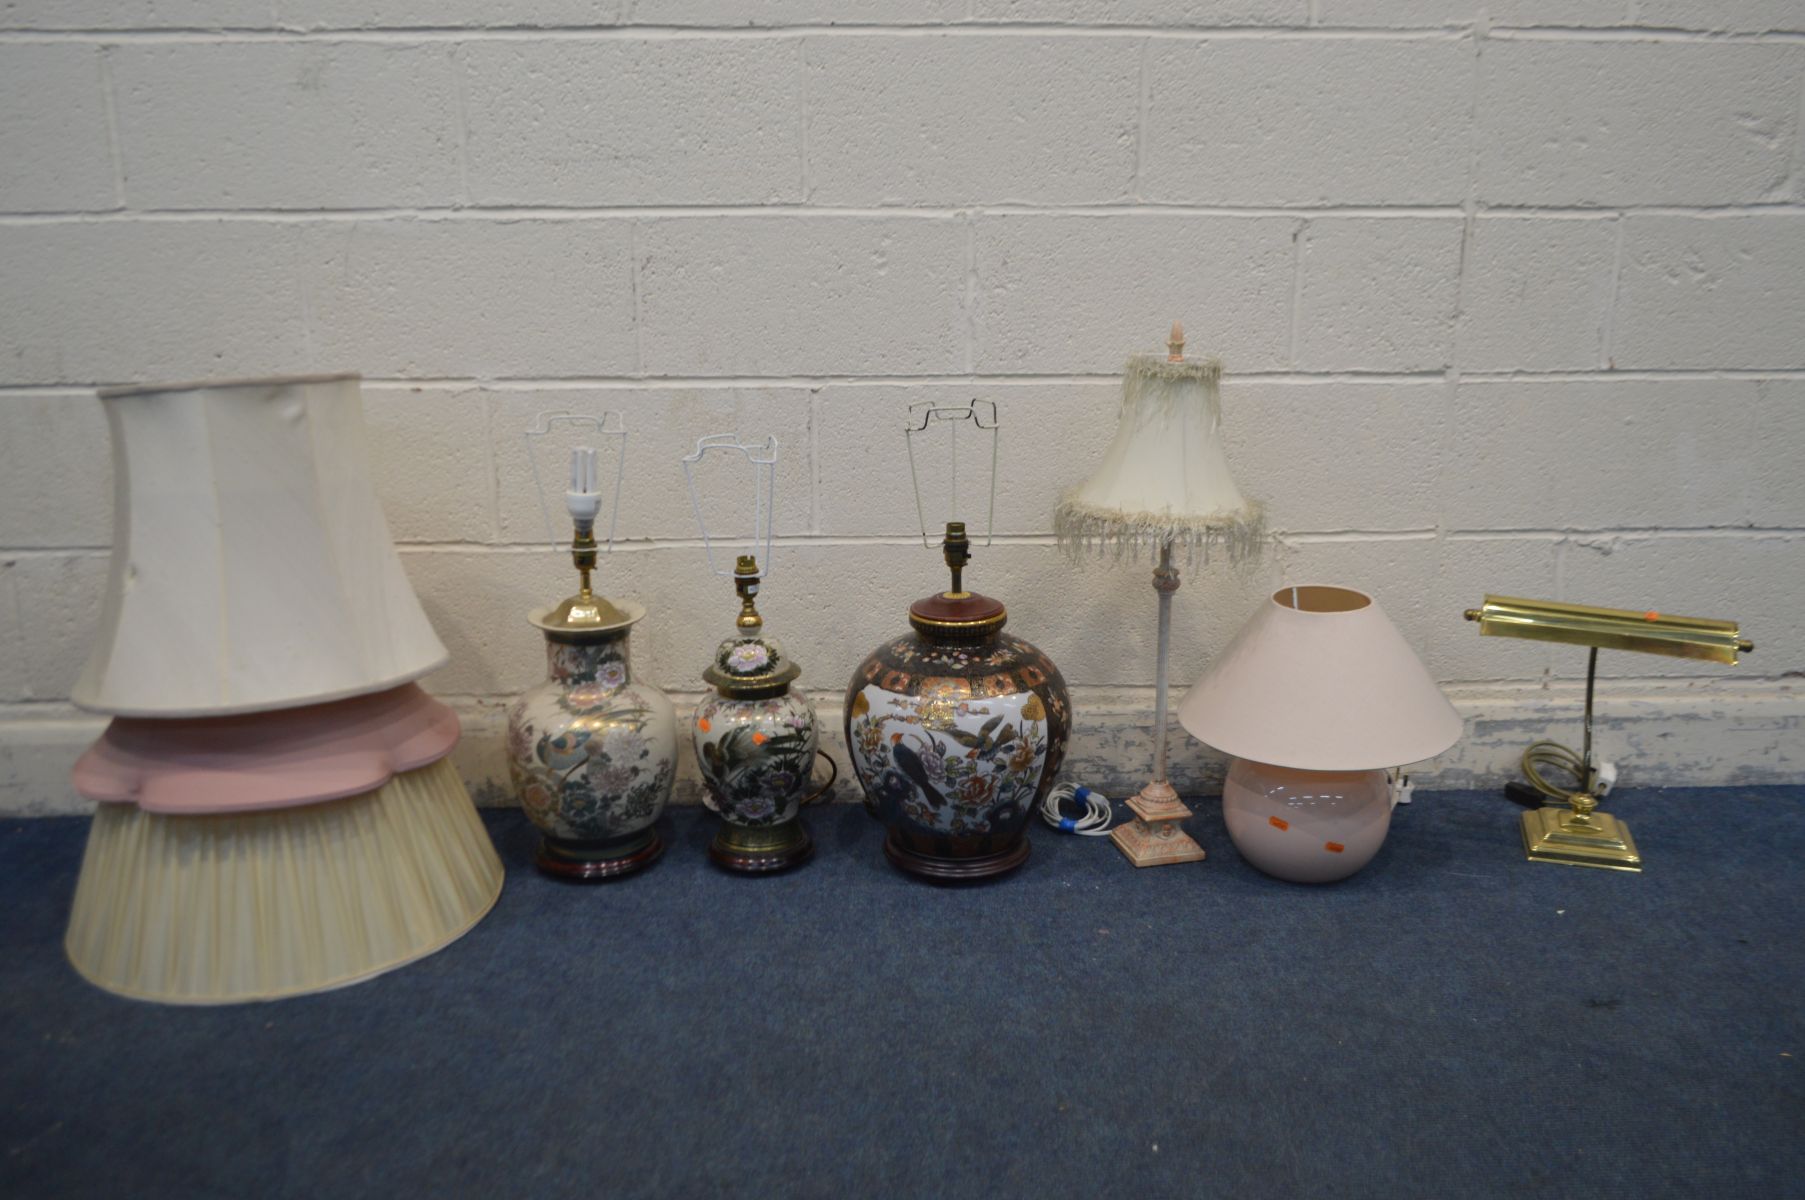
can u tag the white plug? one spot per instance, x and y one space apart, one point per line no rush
1401 790
1604 778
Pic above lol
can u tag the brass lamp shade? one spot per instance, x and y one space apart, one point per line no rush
1611 628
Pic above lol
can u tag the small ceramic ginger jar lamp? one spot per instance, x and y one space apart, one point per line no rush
956 731
592 752
756 741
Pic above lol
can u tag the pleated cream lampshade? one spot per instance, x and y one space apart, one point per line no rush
276 811
252 567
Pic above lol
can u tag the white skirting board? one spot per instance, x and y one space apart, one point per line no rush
1661 733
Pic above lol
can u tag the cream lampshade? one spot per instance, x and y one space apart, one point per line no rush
252 567
1314 699
1164 482
276 813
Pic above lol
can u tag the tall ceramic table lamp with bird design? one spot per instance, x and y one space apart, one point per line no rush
1164 483
592 751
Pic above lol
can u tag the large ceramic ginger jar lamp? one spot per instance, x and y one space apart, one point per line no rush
956 731
276 810
1314 699
756 741
592 751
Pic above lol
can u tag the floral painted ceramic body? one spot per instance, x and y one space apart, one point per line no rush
956 743
756 742
593 754
756 756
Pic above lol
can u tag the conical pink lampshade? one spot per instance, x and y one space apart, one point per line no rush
1320 680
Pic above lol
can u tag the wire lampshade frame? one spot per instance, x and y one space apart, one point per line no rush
762 458
609 426
926 414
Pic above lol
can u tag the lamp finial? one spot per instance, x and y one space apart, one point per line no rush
1175 344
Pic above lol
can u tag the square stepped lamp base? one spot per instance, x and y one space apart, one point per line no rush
1154 838
1554 834
230 907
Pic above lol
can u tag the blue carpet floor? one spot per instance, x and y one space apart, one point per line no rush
1453 1022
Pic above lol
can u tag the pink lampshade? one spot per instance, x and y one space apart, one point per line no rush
1320 679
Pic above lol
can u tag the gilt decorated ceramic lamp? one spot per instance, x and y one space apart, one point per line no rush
592 751
956 729
756 738
1163 484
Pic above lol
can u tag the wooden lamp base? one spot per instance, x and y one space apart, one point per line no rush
592 862
947 869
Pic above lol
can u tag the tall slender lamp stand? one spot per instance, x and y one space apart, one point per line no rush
1156 837
1163 482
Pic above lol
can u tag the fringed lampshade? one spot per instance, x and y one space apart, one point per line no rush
1164 482
277 814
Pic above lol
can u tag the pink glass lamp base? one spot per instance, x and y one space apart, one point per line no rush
1306 826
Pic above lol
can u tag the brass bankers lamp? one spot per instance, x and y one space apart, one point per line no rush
1580 835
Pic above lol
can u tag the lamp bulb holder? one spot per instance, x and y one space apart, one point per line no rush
956 549
745 582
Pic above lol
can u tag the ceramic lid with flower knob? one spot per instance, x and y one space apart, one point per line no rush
749 664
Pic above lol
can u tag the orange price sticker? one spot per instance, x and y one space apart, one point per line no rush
1333 847
1278 822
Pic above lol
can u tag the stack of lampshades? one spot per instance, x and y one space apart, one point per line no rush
276 813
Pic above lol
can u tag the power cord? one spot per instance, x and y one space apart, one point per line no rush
1096 818
1546 758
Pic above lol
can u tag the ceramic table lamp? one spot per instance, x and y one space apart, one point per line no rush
1314 699
592 751
276 813
1163 483
956 730
757 737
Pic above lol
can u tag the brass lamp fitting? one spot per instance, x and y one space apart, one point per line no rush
957 548
745 582
582 553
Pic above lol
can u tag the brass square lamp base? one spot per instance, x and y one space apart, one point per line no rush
1557 834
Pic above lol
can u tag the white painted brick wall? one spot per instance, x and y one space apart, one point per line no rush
1377 293
227 125
687 121
1511 295
956 120
1626 123
54 138
1057 294
1307 122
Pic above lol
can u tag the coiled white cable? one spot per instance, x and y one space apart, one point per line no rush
1094 822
